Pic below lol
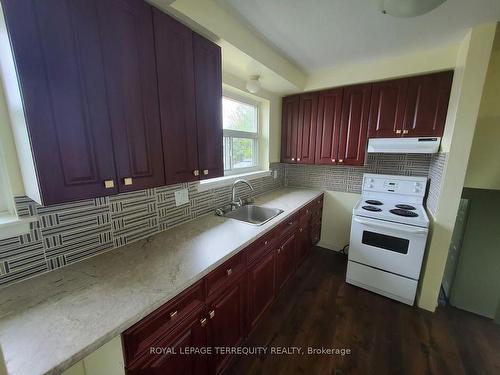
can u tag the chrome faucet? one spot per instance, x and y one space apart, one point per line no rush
237 203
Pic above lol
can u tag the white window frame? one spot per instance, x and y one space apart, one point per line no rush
242 134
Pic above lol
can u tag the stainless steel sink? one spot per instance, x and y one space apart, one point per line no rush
253 214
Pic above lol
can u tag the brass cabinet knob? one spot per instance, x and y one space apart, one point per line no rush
127 181
173 314
341 160
301 229
109 184
398 131
211 314
266 242
279 250
298 159
205 172
229 271
333 160
405 131
293 159
196 172
203 322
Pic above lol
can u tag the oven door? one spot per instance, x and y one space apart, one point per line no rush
392 247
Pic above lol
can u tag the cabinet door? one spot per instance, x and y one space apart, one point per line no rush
306 140
227 315
174 56
189 335
328 128
354 124
285 260
427 105
58 59
208 89
261 287
129 60
289 128
387 108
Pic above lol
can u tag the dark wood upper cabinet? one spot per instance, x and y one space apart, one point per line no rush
174 56
290 128
354 124
132 91
427 104
306 139
58 58
208 93
328 127
387 108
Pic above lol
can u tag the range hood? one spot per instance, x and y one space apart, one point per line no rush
423 145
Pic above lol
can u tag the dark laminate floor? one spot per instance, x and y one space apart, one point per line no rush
317 308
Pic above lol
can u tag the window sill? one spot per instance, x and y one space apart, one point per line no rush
11 225
228 180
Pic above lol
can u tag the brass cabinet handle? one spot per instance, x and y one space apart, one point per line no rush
173 314
205 172
196 172
211 314
229 271
109 184
203 322
266 242
398 131
279 250
405 131
298 159
293 159
127 181
301 229
334 160
341 160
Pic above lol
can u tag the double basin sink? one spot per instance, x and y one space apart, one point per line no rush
253 214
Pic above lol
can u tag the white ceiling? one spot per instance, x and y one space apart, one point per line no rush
317 34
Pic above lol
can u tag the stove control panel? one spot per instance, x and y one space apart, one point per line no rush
400 185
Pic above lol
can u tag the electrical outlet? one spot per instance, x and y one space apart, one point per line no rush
275 174
181 197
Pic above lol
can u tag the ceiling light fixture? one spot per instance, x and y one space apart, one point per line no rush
408 8
253 84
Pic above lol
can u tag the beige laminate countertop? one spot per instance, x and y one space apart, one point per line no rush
52 321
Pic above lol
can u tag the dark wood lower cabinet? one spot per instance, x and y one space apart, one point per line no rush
227 320
176 352
285 260
185 336
261 285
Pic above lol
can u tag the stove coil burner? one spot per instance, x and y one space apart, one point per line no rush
372 208
374 202
405 207
400 212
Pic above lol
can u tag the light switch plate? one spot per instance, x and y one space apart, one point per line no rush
181 197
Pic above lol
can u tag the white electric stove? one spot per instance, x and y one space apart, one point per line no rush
388 236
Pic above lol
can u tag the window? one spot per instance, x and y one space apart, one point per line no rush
241 136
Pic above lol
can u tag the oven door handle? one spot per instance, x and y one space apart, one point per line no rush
385 226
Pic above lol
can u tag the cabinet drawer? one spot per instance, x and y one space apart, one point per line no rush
262 246
141 335
226 273
290 225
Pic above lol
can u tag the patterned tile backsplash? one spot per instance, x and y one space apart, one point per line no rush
349 179
67 233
